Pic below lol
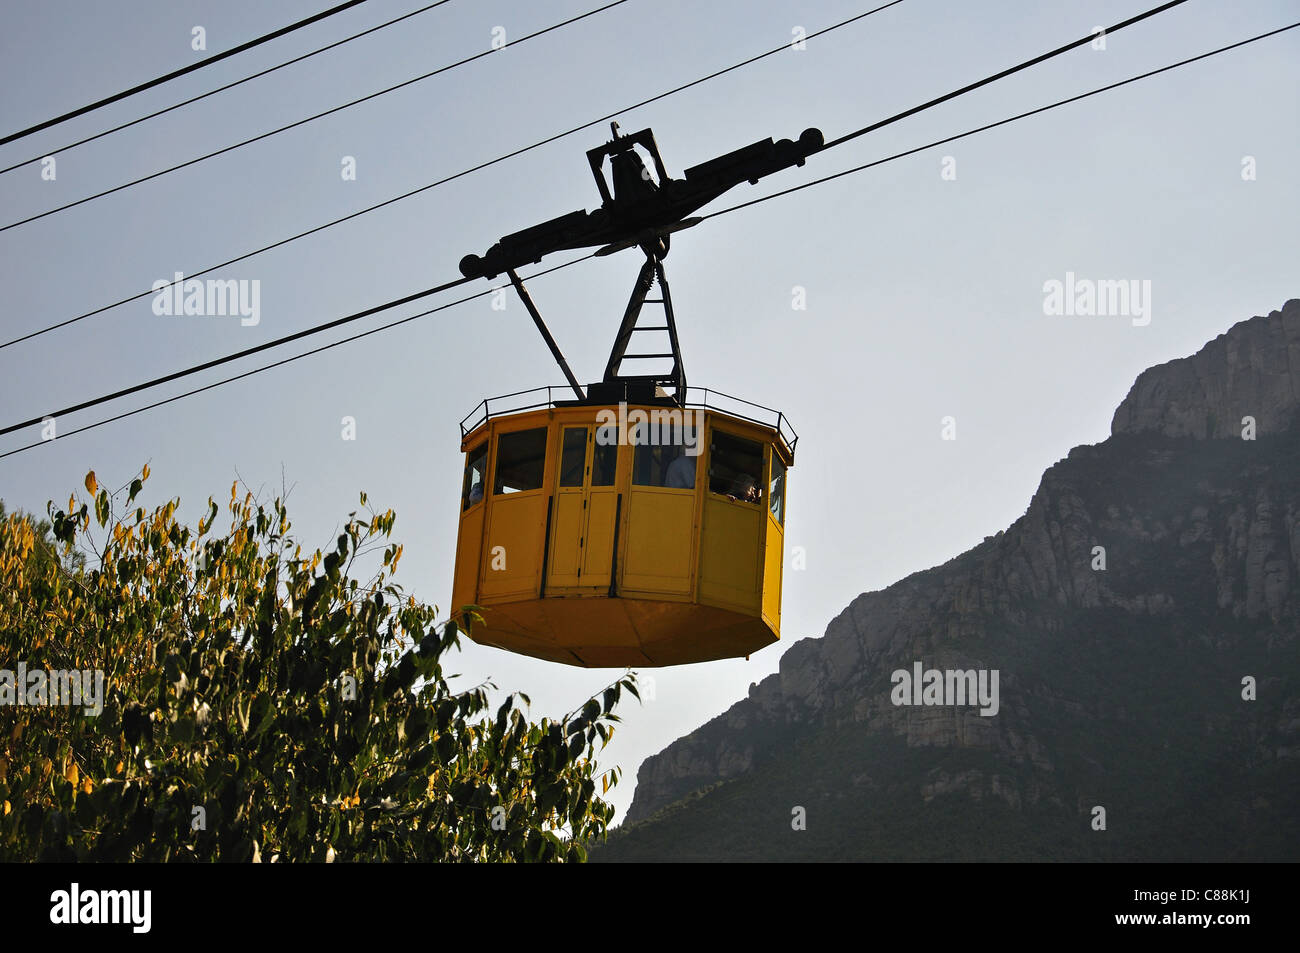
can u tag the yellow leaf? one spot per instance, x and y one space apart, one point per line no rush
7 808
72 775
86 786
144 474
92 485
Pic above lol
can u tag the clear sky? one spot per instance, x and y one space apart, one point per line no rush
924 293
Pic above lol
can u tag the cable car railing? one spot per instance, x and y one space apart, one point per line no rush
702 398
520 400
706 399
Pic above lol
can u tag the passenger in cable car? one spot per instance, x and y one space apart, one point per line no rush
475 474
744 489
681 473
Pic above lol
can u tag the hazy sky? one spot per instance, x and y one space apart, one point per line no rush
925 294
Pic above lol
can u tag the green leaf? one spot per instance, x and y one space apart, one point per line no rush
260 714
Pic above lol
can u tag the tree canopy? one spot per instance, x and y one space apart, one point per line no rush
260 703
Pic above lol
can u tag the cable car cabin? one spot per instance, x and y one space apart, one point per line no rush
626 527
600 534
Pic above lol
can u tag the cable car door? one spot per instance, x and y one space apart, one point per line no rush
585 513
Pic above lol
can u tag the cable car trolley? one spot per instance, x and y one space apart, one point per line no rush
638 521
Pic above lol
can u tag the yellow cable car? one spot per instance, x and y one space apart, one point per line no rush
631 525
638 534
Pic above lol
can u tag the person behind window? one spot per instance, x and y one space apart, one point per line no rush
744 489
681 473
475 467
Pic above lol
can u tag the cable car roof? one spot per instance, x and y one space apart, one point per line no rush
702 398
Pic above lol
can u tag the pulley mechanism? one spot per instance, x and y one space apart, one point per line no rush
639 208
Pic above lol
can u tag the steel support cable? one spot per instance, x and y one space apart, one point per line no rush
222 89
302 122
899 155
226 359
450 178
1042 57
116 97
294 357
1000 122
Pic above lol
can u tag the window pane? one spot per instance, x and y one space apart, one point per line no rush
650 464
475 475
736 467
521 461
776 491
604 460
574 456
665 463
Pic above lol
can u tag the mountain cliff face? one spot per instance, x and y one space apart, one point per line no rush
1142 619
1253 369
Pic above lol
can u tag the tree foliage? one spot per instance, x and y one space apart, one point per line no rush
262 704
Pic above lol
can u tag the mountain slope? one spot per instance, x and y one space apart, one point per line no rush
1120 688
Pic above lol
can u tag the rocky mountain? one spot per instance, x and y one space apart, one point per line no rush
1141 618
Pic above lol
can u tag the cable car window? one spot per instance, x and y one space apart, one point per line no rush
665 462
776 490
521 461
604 460
650 464
573 456
735 467
475 476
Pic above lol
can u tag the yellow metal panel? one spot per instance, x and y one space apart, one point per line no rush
599 631
566 530
469 548
513 551
660 533
731 557
772 573
598 545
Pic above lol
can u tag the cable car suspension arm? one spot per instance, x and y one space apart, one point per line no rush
527 299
